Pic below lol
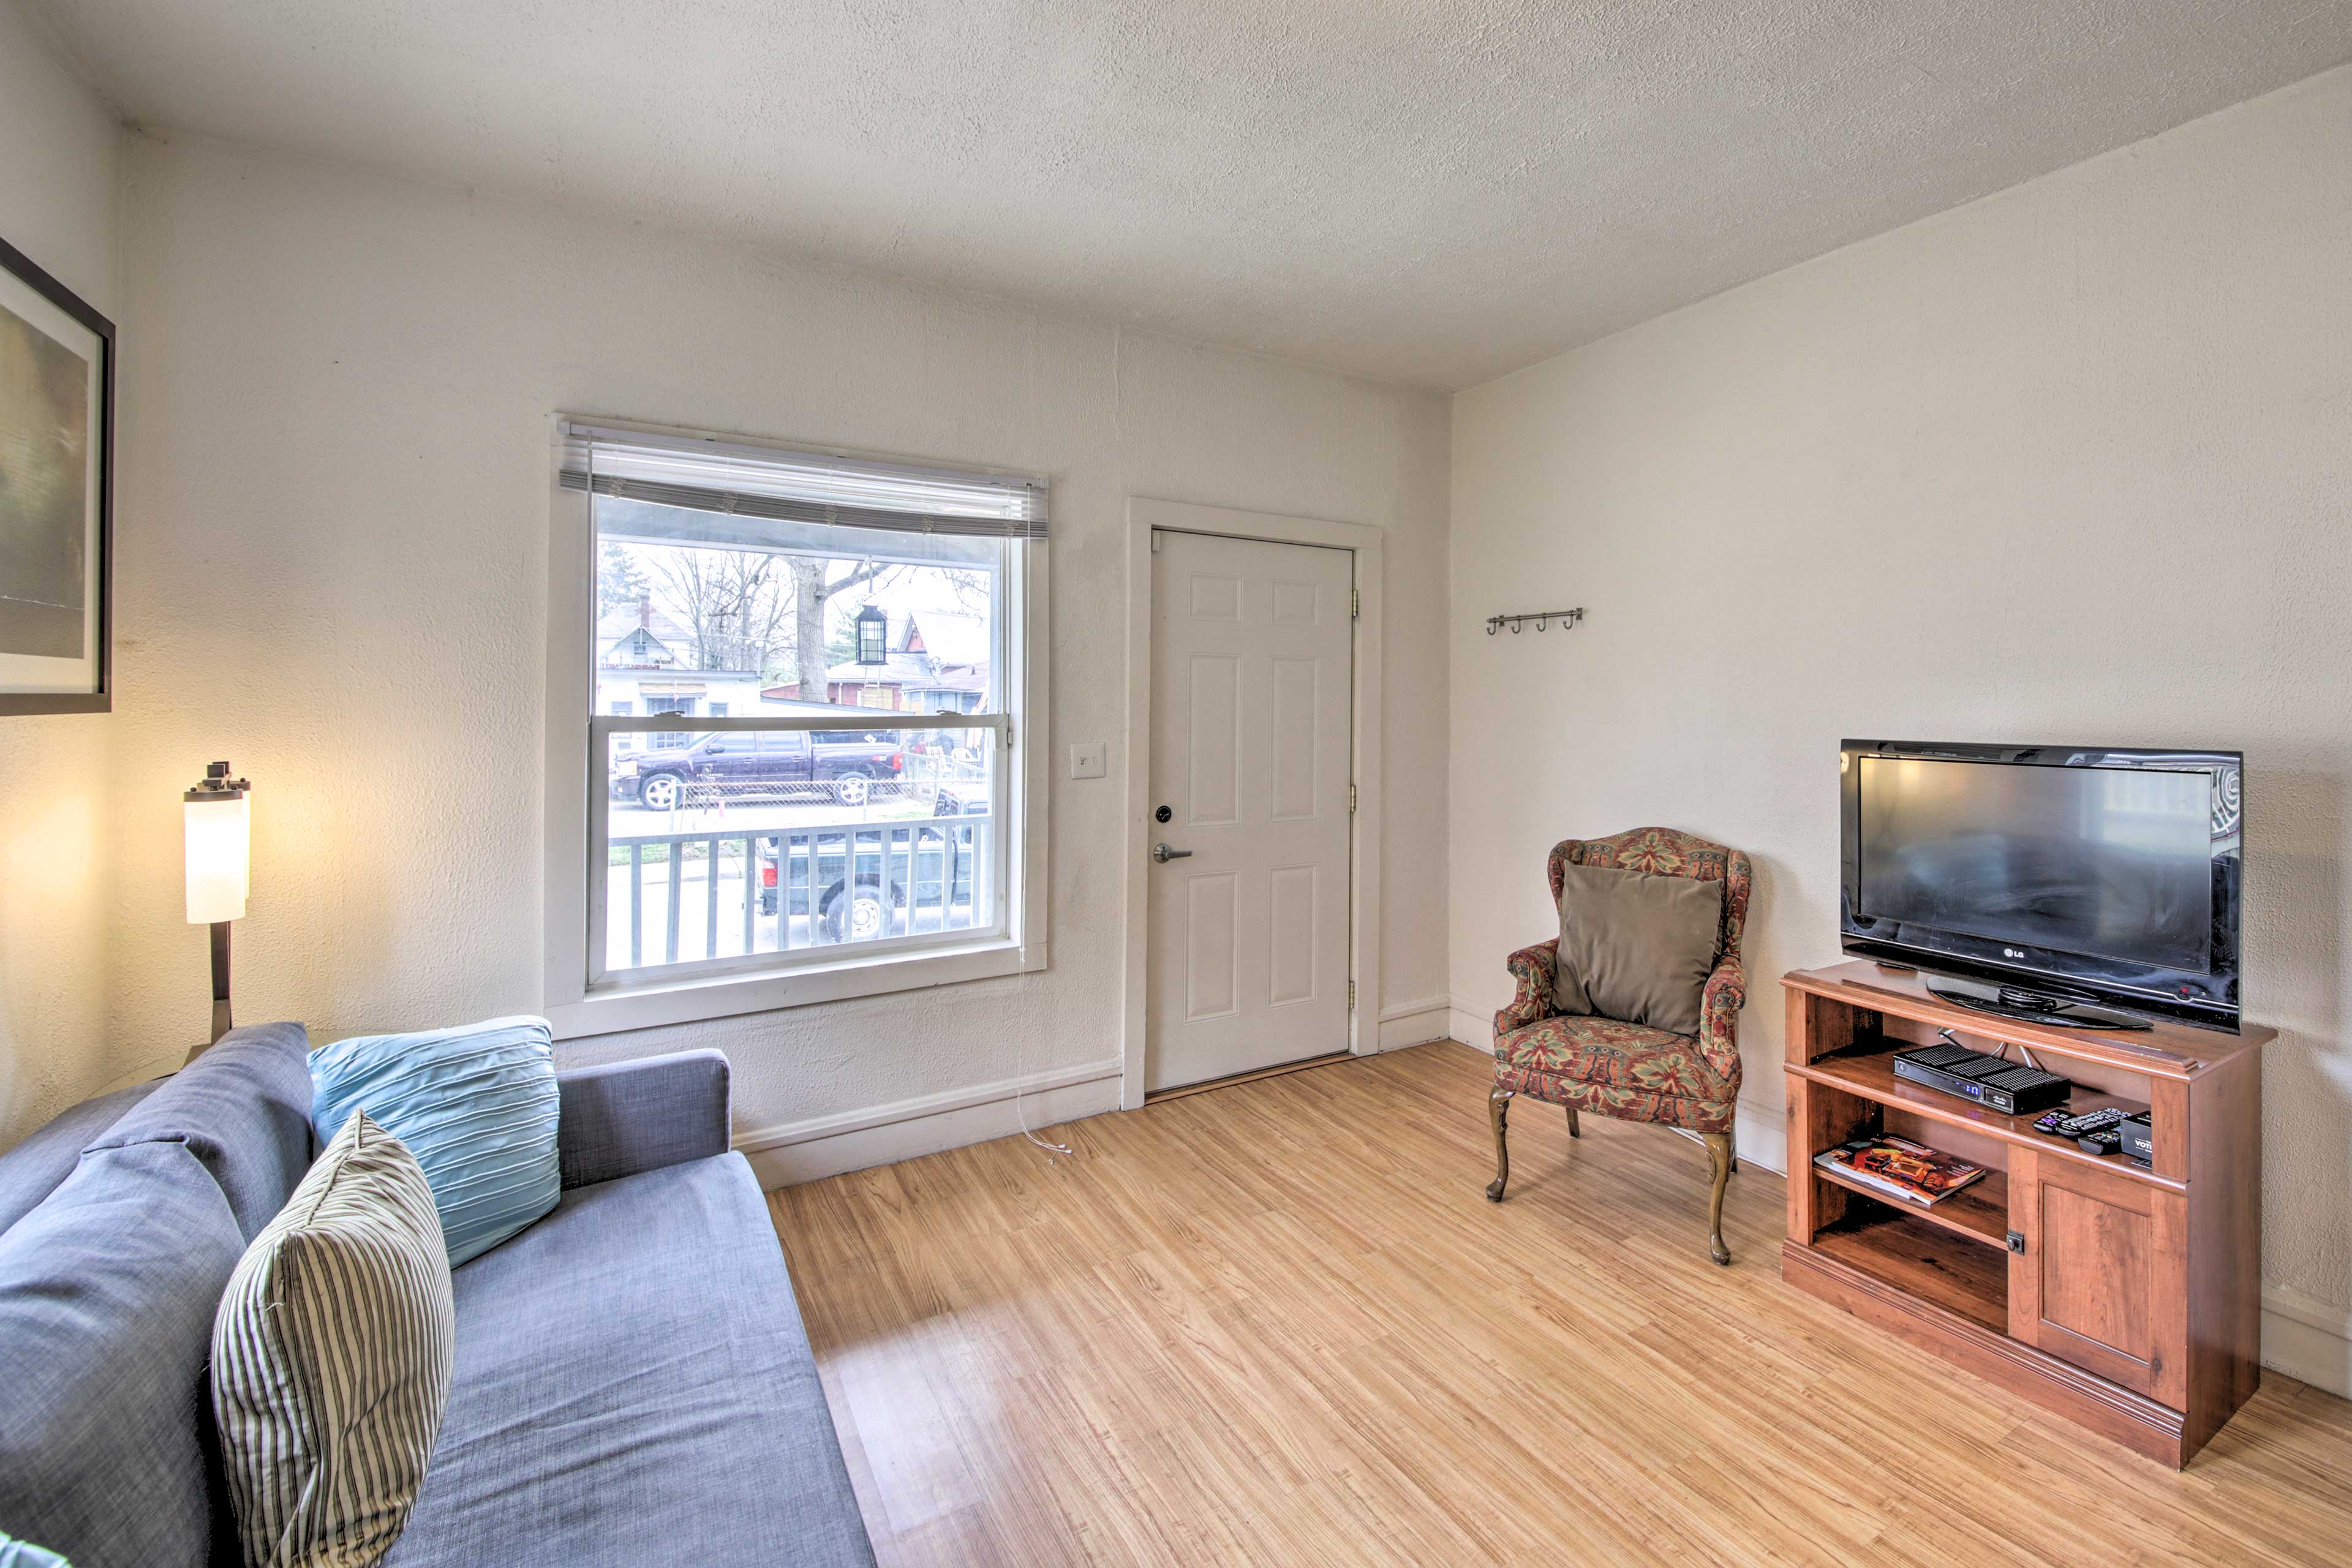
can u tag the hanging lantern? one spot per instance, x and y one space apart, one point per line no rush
873 633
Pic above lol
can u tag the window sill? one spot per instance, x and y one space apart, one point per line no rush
646 1006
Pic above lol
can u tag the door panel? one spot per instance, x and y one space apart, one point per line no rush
2100 1279
1251 689
1294 751
1210 952
1292 922
1214 746
2094 1270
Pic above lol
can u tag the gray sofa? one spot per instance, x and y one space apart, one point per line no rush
632 1382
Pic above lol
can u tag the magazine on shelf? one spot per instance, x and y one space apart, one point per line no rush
1906 1172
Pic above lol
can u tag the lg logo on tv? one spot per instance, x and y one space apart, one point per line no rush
2011 952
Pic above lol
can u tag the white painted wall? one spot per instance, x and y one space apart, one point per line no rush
2072 463
59 168
333 550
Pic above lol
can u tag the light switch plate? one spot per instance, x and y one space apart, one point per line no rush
1088 760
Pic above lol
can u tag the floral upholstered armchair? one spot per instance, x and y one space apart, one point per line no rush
1630 1070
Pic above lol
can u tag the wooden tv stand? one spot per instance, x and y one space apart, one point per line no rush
2128 1298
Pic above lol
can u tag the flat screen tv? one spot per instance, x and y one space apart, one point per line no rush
2091 886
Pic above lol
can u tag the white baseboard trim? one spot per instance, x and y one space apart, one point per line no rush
2308 1339
883 1134
1760 1136
1470 1024
1413 1023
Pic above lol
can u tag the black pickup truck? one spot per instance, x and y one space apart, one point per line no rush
745 764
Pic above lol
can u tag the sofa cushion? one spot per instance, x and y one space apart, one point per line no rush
32 1170
107 1293
621 1118
243 1109
476 1105
1635 946
331 1358
634 1386
1614 1069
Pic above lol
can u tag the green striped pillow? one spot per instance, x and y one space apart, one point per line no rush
332 1353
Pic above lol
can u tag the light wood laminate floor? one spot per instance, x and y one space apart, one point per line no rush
1278 1323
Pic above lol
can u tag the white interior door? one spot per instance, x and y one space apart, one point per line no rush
1252 694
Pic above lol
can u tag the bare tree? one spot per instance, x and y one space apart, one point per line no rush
744 606
971 591
735 603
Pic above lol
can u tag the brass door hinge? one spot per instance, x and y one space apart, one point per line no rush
1355 603
1351 800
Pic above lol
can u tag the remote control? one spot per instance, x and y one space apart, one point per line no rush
2091 1121
2049 1119
2100 1143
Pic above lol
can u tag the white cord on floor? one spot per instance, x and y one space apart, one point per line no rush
1021 1110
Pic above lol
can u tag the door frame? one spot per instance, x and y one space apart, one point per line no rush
1363 543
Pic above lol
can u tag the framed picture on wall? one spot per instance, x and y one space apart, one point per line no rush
56 493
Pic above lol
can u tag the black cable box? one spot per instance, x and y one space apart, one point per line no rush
1993 1081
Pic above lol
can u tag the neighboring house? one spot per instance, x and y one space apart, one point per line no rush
644 664
936 663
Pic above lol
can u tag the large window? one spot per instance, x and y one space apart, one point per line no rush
771 597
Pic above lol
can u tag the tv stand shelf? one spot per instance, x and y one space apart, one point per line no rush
1870 1074
1978 1211
2122 1296
1899 1247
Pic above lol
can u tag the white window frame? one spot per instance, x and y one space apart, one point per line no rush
576 798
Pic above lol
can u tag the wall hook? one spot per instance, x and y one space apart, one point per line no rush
1542 618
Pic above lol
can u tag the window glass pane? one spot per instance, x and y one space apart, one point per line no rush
723 849
698 614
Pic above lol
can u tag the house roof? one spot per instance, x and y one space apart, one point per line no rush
899 669
933 651
617 626
949 637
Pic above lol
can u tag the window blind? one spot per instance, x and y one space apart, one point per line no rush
801 487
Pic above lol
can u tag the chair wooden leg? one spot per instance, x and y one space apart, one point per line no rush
1574 1129
1719 1159
1499 1110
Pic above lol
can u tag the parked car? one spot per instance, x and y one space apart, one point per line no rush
961 797
849 764
861 874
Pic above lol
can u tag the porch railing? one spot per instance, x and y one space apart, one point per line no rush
929 875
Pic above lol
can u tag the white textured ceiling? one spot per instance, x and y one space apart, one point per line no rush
1424 191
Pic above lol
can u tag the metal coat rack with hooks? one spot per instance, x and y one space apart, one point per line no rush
1542 619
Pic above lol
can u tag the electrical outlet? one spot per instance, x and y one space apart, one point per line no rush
1088 760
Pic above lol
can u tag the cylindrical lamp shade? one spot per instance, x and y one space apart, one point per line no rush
219 861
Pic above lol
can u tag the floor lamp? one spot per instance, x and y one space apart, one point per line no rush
219 844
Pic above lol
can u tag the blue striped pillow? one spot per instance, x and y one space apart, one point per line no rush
476 1105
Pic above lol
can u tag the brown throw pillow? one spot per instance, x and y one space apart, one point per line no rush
1635 946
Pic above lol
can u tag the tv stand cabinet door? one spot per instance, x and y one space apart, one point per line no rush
2103 1279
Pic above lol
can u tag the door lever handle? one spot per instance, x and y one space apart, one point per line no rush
1161 853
